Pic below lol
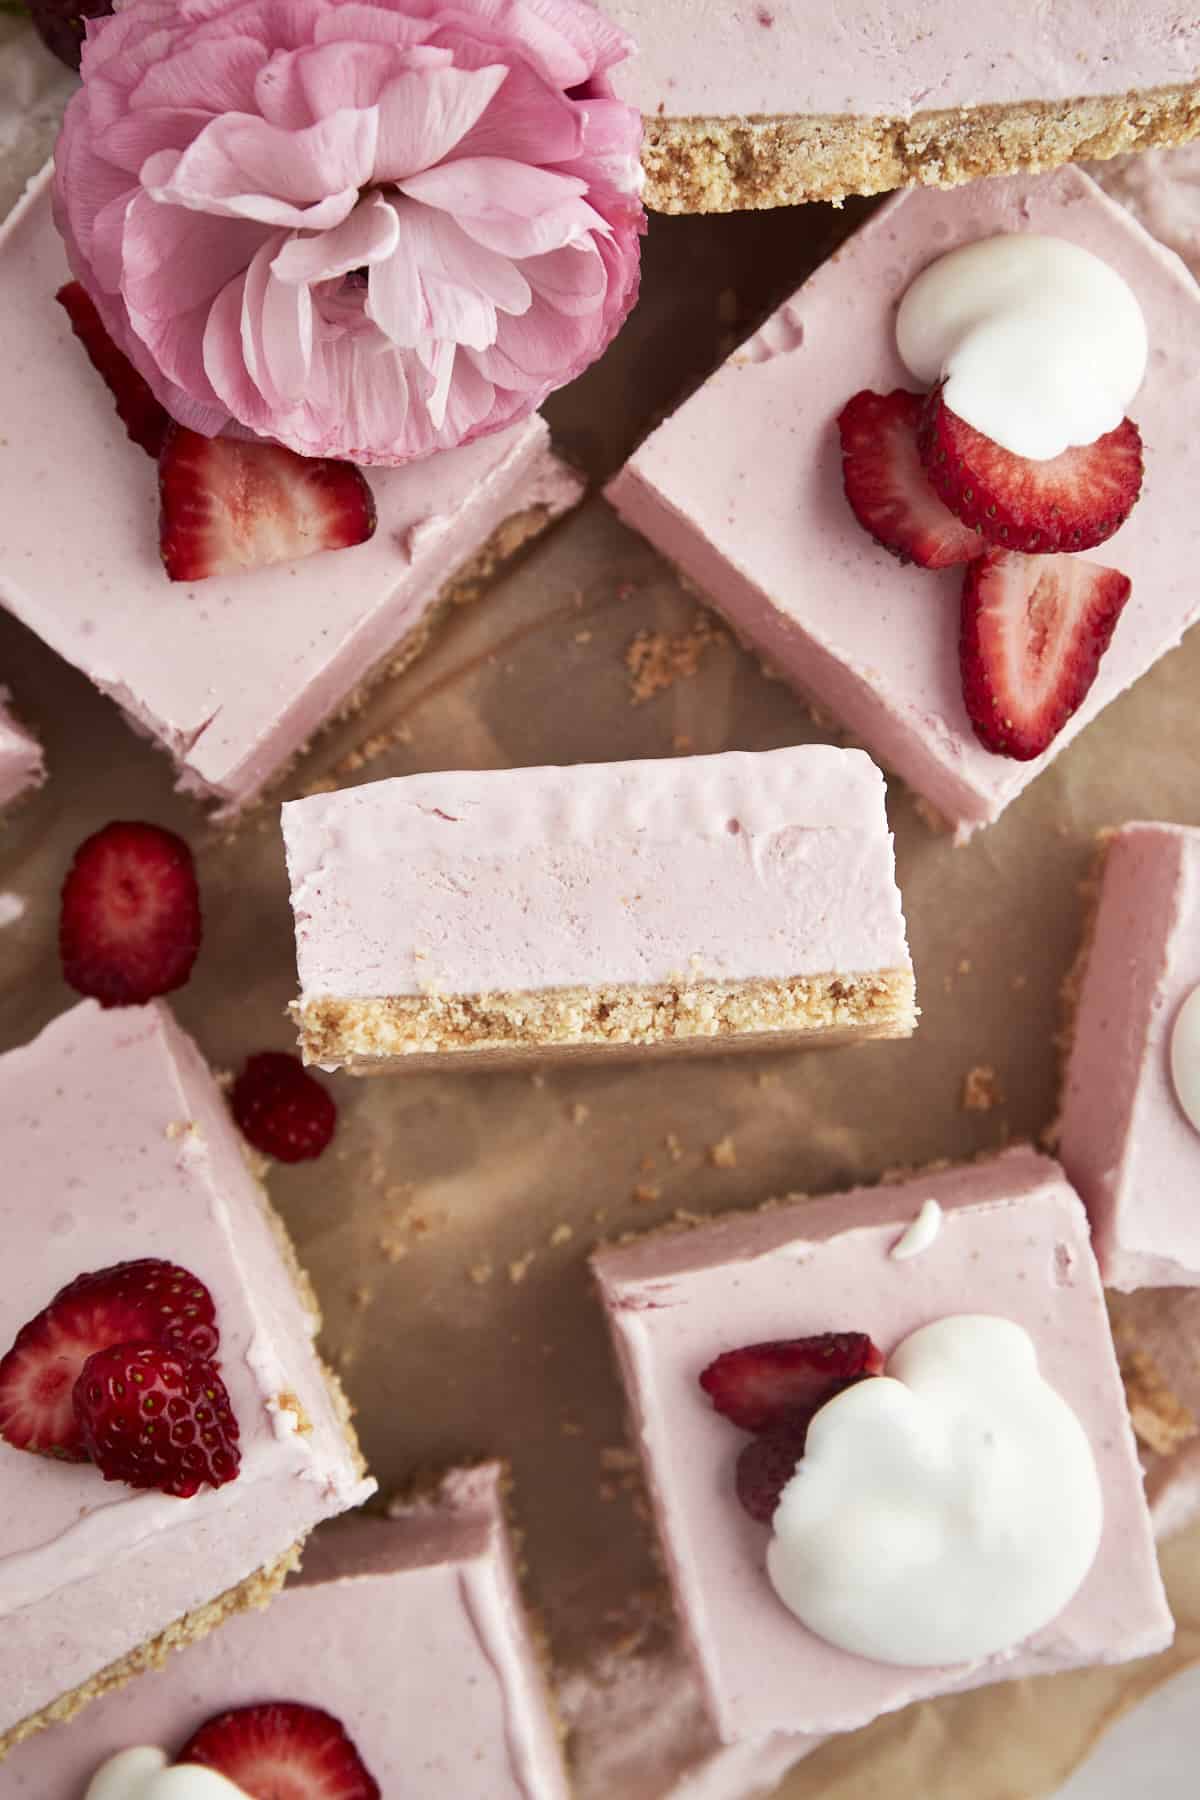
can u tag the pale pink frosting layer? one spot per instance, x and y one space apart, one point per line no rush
409 1631
231 676
742 488
721 867
1162 189
1125 1141
21 762
117 1144
857 56
1013 1241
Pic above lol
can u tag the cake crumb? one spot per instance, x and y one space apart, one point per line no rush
767 1078
981 1089
291 1403
647 1165
618 1459
571 1428
682 1216
392 1249
723 1154
673 1147
1159 1419
519 1268
179 1128
681 744
580 1114
562 1234
583 637
645 1194
964 965
656 660
481 1273
360 1297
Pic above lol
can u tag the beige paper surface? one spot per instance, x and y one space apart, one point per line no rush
448 1228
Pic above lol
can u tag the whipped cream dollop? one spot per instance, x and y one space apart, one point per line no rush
921 1235
1041 344
1185 1057
944 1511
144 1774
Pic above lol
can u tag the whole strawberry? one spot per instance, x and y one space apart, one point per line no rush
61 24
157 1418
130 925
280 1109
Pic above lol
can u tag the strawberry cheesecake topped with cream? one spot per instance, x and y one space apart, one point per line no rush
768 102
168 1434
22 765
998 337
887 1445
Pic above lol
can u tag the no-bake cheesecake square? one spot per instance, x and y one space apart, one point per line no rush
22 765
233 675
704 902
1125 1138
118 1146
408 1630
742 489
1007 1239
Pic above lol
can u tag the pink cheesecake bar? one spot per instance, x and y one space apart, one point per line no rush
698 901
1124 1138
230 676
764 104
410 1631
1013 1242
22 765
742 489
118 1146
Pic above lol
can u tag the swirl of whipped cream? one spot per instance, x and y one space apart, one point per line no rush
144 1774
943 1512
1041 344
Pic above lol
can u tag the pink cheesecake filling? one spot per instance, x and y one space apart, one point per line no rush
118 1145
234 675
1162 190
410 1631
1013 1241
1125 1141
707 57
21 762
742 488
723 867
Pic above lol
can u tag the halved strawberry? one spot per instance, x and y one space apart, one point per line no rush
766 1465
281 1109
143 417
282 1751
889 491
783 1383
157 1418
229 505
1033 631
130 922
148 1300
1069 502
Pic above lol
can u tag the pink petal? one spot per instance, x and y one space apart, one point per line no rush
423 116
287 337
528 121
242 167
175 260
297 89
395 300
132 140
364 24
368 236
509 207
211 77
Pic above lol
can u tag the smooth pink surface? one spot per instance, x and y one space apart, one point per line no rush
742 488
409 1631
234 675
370 231
21 763
1161 188
1125 1141
1013 1241
117 1144
719 867
863 56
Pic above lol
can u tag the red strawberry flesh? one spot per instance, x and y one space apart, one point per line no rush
784 1382
1066 503
280 1109
157 1418
1034 629
889 491
282 1751
766 1465
146 1301
228 505
130 922
143 417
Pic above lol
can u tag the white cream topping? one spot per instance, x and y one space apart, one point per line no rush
1185 1057
943 1512
920 1234
1042 345
143 1774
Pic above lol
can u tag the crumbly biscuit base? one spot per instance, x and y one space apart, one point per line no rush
422 1030
727 164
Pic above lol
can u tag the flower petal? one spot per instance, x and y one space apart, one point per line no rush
368 236
424 114
212 77
242 167
509 207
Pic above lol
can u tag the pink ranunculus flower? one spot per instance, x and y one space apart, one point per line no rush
363 228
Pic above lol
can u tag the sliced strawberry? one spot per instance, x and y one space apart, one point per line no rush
783 1383
143 417
1068 502
1033 631
889 491
230 505
280 1109
157 1418
130 922
766 1465
150 1301
282 1751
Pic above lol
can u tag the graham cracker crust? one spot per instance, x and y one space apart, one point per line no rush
727 164
421 1030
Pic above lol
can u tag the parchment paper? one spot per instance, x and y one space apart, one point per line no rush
448 1228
